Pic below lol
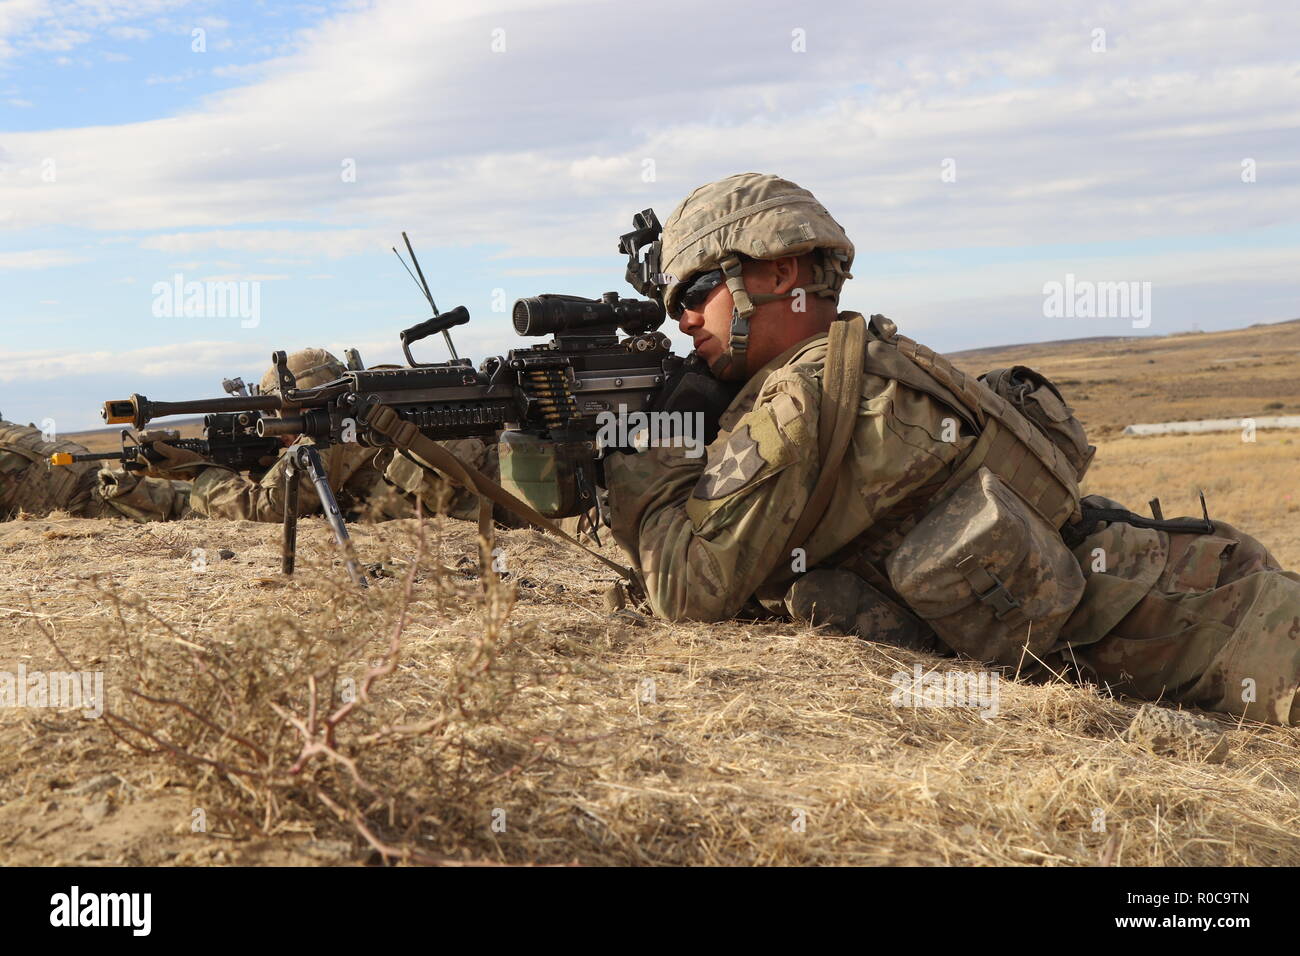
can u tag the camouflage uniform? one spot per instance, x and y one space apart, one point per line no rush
224 493
28 483
709 532
1207 620
368 482
438 493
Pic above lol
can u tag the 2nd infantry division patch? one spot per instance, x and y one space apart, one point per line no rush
738 460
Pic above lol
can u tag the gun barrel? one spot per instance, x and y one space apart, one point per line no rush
290 425
63 458
138 411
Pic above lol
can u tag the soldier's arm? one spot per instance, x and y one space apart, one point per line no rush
222 493
118 492
437 493
707 533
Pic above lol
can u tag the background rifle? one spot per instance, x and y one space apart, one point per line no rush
549 402
229 439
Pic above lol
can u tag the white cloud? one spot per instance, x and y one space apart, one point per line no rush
129 33
541 150
244 278
206 357
61 25
37 259
332 244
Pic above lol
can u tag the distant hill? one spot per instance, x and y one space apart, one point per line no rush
106 439
1056 343
1114 381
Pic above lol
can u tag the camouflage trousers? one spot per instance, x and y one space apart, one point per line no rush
1219 629
1205 620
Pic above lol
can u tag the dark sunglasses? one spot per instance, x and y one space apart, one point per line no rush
693 295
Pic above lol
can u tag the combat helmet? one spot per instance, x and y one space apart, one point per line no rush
756 215
311 367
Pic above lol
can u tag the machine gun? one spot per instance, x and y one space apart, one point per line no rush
229 439
550 402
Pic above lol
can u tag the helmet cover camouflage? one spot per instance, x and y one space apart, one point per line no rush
757 215
311 367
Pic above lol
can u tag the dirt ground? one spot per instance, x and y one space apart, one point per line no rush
255 719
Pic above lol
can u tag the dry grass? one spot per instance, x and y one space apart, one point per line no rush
522 722
747 728
1250 485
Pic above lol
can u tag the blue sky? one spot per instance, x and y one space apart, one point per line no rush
514 140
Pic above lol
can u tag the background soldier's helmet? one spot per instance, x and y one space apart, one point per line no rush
311 367
756 215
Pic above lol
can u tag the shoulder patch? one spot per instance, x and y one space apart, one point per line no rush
761 446
739 461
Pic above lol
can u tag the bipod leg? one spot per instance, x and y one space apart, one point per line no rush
289 543
308 459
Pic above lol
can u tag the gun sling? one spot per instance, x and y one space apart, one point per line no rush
406 436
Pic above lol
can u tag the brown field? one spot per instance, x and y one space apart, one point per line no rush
531 724
110 439
1115 382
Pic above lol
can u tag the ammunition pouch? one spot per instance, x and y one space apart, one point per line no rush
555 478
988 573
1033 395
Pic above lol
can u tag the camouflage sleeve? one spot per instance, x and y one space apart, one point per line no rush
707 532
122 493
438 493
222 493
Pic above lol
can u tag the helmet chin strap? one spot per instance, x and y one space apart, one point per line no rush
734 360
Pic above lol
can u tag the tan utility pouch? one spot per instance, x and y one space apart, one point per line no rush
1033 395
988 573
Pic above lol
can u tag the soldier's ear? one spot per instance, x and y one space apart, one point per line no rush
784 274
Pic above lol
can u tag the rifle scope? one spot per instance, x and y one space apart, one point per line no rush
556 314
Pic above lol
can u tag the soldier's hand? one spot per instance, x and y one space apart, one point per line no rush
168 461
692 389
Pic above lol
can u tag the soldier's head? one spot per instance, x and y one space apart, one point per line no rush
310 367
754 265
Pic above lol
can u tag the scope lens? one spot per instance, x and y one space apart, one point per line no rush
521 317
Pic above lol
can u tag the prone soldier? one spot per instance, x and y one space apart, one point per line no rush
85 490
859 480
371 483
